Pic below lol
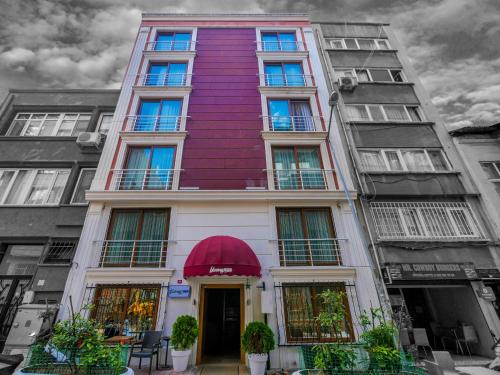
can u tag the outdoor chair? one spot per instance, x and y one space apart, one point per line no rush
445 362
469 336
149 347
404 338
421 339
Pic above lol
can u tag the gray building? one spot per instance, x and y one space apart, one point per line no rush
421 210
46 164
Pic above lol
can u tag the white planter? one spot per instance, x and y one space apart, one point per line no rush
257 363
180 359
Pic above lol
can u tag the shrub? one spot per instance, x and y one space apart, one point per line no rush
184 332
334 357
257 338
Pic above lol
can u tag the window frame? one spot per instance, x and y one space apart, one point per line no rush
46 114
496 167
173 33
382 109
354 72
284 74
277 33
72 202
99 122
399 151
168 64
377 42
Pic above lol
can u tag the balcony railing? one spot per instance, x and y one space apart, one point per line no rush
293 123
300 179
143 253
281 46
163 80
425 221
288 80
175 46
142 123
142 179
309 252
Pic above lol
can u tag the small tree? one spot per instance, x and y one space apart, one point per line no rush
184 332
257 338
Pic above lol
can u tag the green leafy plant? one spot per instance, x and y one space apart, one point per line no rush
334 357
184 332
258 338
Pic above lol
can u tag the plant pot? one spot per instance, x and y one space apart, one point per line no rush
180 359
63 370
257 363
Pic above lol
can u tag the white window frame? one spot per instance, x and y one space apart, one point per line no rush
496 168
32 173
354 72
99 123
405 169
382 109
77 186
376 41
56 127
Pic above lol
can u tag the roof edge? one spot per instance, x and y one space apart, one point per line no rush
73 91
475 130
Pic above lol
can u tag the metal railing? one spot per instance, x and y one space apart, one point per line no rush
300 179
309 252
141 123
293 123
179 45
425 221
142 179
288 80
163 80
281 46
143 253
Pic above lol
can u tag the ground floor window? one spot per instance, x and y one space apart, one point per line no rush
302 305
126 309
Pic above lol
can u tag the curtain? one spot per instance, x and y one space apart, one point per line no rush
372 161
300 316
182 41
279 115
393 159
58 187
302 116
164 42
376 113
438 160
157 75
170 112
177 74
323 248
274 75
153 229
437 222
294 74
148 116
286 175
395 113
270 42
416 160
357 113
310 169
40 187
288 41
362 75
160 174
5 178
293 246
133 176
123 234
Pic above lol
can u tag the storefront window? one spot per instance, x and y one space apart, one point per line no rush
126 309
302 306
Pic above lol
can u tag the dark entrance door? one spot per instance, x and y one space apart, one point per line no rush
221 324
12 290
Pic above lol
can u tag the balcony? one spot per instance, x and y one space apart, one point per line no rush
310 252
294 123
141 123
142 179
171 46
300 179
164 80
281 46
288 80
143 253
425 221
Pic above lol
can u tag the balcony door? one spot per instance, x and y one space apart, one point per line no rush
298 168
274 41
290 115
285 74
173 42
167 74
136 238
148 168
158 115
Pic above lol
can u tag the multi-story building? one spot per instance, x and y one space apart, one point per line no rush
217 194
421 210
44 173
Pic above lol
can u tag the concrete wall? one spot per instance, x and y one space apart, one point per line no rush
368 59
368 93
394 136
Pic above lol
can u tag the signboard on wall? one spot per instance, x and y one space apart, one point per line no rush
431 271
179 291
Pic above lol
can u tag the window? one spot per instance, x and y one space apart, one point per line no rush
20 260
377 113
166 74
82 185
381 75
302 306
59 252
285 74
298 168
424 220
306 237
136 238
175 41
397 160
135 304
360 43
337 44
290 115
372 74
492 170
351 44
279 41
148 168
105 122
32 186
158 115
49 124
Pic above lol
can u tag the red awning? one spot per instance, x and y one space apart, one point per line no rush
221 256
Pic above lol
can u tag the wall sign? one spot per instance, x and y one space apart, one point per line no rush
431 271
486 293
179 291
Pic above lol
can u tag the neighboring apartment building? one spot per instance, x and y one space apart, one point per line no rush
217 194
422 212
479 147
43 175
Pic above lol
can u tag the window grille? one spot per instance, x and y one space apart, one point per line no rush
60 252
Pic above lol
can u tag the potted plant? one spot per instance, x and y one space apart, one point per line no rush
184 334
257 341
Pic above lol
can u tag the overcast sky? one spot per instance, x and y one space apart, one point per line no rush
453 44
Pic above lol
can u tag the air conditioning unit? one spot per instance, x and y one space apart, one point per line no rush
347 83
28 297
89 139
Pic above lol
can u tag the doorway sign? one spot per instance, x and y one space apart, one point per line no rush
179 291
